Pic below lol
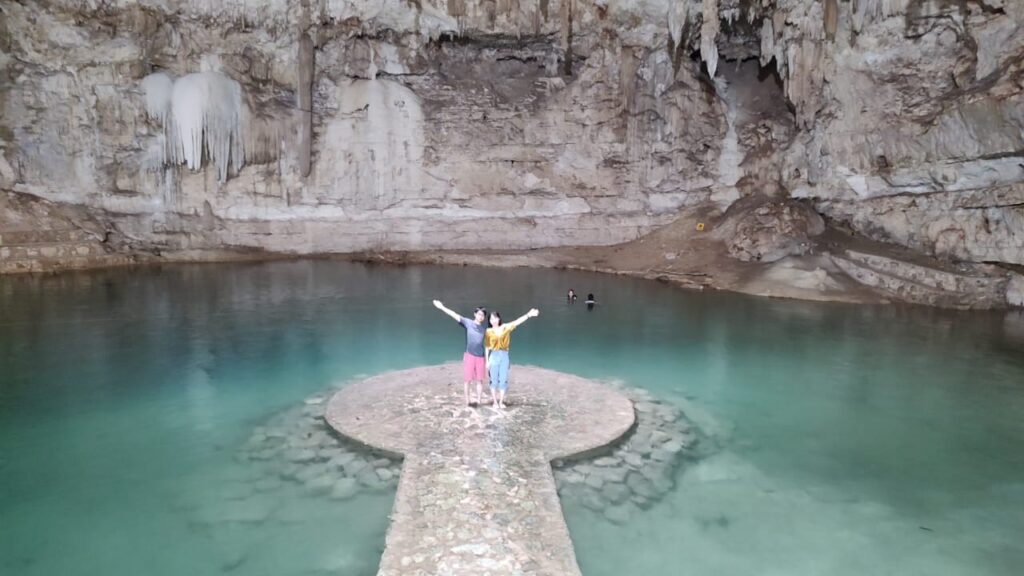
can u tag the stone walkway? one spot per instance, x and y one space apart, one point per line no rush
476 494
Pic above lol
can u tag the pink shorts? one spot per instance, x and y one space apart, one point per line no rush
473 367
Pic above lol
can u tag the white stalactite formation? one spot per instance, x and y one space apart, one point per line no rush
709 29
202 115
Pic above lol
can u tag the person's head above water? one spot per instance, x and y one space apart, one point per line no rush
590 297
480 314
495 319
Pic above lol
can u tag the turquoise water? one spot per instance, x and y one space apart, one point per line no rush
851 440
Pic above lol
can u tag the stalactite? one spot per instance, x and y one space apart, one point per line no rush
866 11
831 16
202 118
157 88
709 36
678 16
206 112
805 78
767 41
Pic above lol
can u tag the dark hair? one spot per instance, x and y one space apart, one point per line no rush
497 315
480 309
590 296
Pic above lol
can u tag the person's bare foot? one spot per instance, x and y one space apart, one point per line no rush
502 404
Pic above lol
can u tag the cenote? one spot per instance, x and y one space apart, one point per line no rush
848 439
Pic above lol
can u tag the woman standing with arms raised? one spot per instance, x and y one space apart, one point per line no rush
496 344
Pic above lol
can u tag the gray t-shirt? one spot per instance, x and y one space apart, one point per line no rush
474 336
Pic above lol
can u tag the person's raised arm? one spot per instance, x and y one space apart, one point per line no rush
439 306
531 314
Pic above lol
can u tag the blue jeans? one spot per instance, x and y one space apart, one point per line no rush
497 368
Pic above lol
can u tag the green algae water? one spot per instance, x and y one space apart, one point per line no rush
849 440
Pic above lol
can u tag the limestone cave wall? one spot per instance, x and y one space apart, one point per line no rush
392 124
429 124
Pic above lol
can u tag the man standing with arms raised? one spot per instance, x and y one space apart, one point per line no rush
473 366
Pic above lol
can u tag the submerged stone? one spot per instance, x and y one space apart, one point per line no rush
344 488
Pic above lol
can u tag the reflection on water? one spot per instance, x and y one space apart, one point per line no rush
851 439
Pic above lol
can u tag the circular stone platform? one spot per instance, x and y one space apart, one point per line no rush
476 493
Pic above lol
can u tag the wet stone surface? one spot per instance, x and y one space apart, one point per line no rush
477 492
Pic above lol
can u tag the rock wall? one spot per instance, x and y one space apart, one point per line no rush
913 121
384 124
456 124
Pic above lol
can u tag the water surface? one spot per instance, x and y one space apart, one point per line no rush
851 439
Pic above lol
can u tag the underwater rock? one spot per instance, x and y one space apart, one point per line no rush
641 468
344 489
619 514
296 447
384 474
640 486
368 478
615 492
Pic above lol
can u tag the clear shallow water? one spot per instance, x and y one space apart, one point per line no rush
881 440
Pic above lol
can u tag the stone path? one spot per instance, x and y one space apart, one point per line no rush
476 494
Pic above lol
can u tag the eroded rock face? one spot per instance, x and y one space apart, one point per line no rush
768 229
917 134
444 124
380 124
